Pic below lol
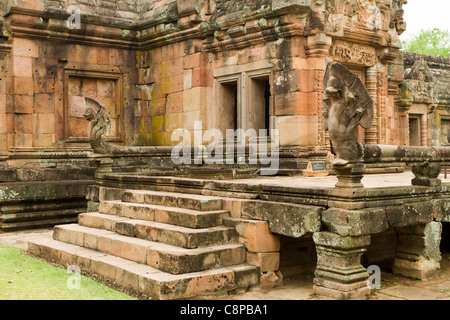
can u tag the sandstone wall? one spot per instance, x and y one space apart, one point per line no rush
157 66
167 62
423 95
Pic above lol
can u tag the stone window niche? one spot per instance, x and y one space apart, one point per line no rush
105 88
243 98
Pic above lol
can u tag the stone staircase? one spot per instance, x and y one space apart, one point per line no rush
157 244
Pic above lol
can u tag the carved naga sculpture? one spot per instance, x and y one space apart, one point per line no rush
346 104
99 125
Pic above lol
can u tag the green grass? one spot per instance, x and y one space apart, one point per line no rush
25 278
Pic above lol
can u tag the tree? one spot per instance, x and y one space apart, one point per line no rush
432 42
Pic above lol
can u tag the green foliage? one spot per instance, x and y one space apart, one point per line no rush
432 42
26 278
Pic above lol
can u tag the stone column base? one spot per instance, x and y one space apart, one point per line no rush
416 267
339 273
341 294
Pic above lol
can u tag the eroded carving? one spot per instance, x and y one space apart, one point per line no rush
369 15
419 81
353 53
426 174
397 21
346 104
339 13
397 13
100 124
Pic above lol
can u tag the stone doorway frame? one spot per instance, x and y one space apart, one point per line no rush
243 74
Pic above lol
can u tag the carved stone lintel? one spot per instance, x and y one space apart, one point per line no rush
348 52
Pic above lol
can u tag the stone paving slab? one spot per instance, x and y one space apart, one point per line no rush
369 180
19 239
413 293
382 296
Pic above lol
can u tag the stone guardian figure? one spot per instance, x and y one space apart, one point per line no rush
100 124
345 104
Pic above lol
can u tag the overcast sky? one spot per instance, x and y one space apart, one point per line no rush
426 14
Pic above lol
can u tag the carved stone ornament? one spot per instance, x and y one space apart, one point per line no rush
397 13
397 21
368 14
426 174
420 82
100 124
347 52
345 104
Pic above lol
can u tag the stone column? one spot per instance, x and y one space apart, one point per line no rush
5 125
372 84
339 273
403 126
424 130
418 254
318 48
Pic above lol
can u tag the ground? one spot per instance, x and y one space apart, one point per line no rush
392 287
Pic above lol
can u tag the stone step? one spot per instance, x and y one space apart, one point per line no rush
176 216
170 199
160 232
165 257
143 279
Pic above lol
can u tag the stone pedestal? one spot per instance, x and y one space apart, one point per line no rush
339 273
426 174
104 166
350 175
418 254
103 162
349 192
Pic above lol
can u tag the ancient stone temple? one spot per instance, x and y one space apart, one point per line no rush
109 110
424 98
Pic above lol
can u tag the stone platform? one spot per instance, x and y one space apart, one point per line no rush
176 237
387 180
